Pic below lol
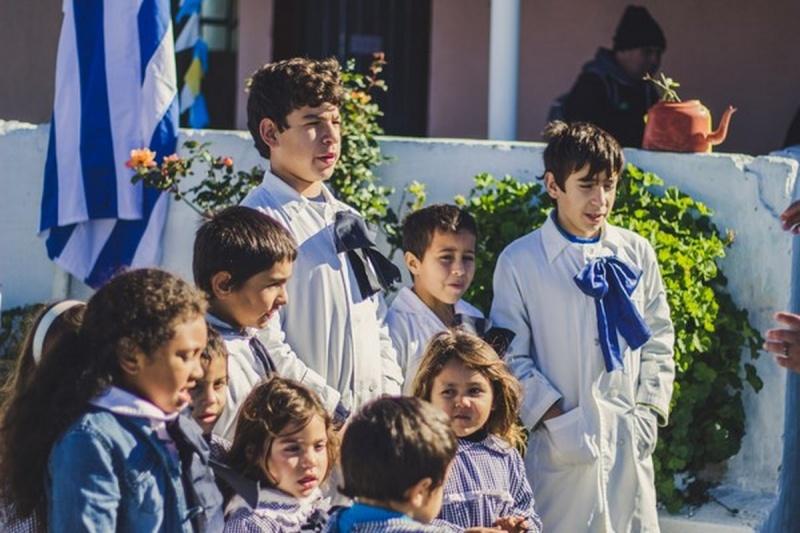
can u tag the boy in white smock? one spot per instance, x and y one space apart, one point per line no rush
593 347
333 321
243 260
439 251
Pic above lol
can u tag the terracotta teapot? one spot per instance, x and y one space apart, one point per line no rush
683 127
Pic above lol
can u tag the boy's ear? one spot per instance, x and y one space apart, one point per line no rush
268 131
221 286
550 184
412 262
129 356
417 494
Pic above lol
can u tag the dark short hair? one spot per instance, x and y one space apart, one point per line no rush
572 146
392 444
419 226
215 347
241 241
277 89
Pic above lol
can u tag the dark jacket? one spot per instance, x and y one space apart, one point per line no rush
606 96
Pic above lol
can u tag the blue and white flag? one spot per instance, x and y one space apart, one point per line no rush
115 91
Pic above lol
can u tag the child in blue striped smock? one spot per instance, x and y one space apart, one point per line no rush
285 441
462 375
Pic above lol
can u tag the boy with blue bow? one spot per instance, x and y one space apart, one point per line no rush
333 320
594 344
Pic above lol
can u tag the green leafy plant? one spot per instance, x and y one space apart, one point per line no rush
14 324
707 420
665 87
222 186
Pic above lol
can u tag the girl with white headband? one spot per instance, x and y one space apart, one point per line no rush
54 326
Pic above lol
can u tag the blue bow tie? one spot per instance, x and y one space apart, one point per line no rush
611 282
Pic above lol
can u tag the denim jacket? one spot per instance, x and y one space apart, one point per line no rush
120 472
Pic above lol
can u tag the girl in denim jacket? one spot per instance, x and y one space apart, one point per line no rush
285 440
99 429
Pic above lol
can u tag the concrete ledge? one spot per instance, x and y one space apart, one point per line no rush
753 509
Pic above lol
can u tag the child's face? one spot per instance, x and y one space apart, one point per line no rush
257 299
166 376
446 270
307 151
298 460
586 201
465 395
210 393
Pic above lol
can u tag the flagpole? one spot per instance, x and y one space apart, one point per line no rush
62 282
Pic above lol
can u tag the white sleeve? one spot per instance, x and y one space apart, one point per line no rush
398 332
290 366
657 364
509 311
392 374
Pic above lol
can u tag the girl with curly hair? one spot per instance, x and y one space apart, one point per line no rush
97 443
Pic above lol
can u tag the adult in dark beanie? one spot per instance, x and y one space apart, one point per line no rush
610 91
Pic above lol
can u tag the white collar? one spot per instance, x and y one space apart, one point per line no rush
407 301
286 194
272 501
554 242
121 402
220 324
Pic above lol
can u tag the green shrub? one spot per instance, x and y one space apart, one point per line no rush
707 421
14 324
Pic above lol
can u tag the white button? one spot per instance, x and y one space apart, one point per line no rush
372 387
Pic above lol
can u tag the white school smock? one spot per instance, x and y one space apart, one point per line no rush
584 466
412 324
245 372
326 323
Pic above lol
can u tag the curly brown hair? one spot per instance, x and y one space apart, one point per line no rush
476 354
270 409
277 89
136 310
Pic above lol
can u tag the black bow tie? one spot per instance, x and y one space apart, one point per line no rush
498 338
351 236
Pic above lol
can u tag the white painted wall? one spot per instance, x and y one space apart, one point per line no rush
746 193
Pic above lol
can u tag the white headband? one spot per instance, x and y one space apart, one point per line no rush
45 323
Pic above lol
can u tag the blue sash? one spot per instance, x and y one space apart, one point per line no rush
611 282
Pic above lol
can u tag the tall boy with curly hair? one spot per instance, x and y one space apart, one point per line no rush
333 320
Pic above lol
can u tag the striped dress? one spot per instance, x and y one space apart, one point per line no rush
276 512
487 481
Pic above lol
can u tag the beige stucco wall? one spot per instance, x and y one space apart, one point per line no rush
722 51
459 69
255 48
28 44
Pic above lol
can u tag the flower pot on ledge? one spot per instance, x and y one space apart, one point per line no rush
683 127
